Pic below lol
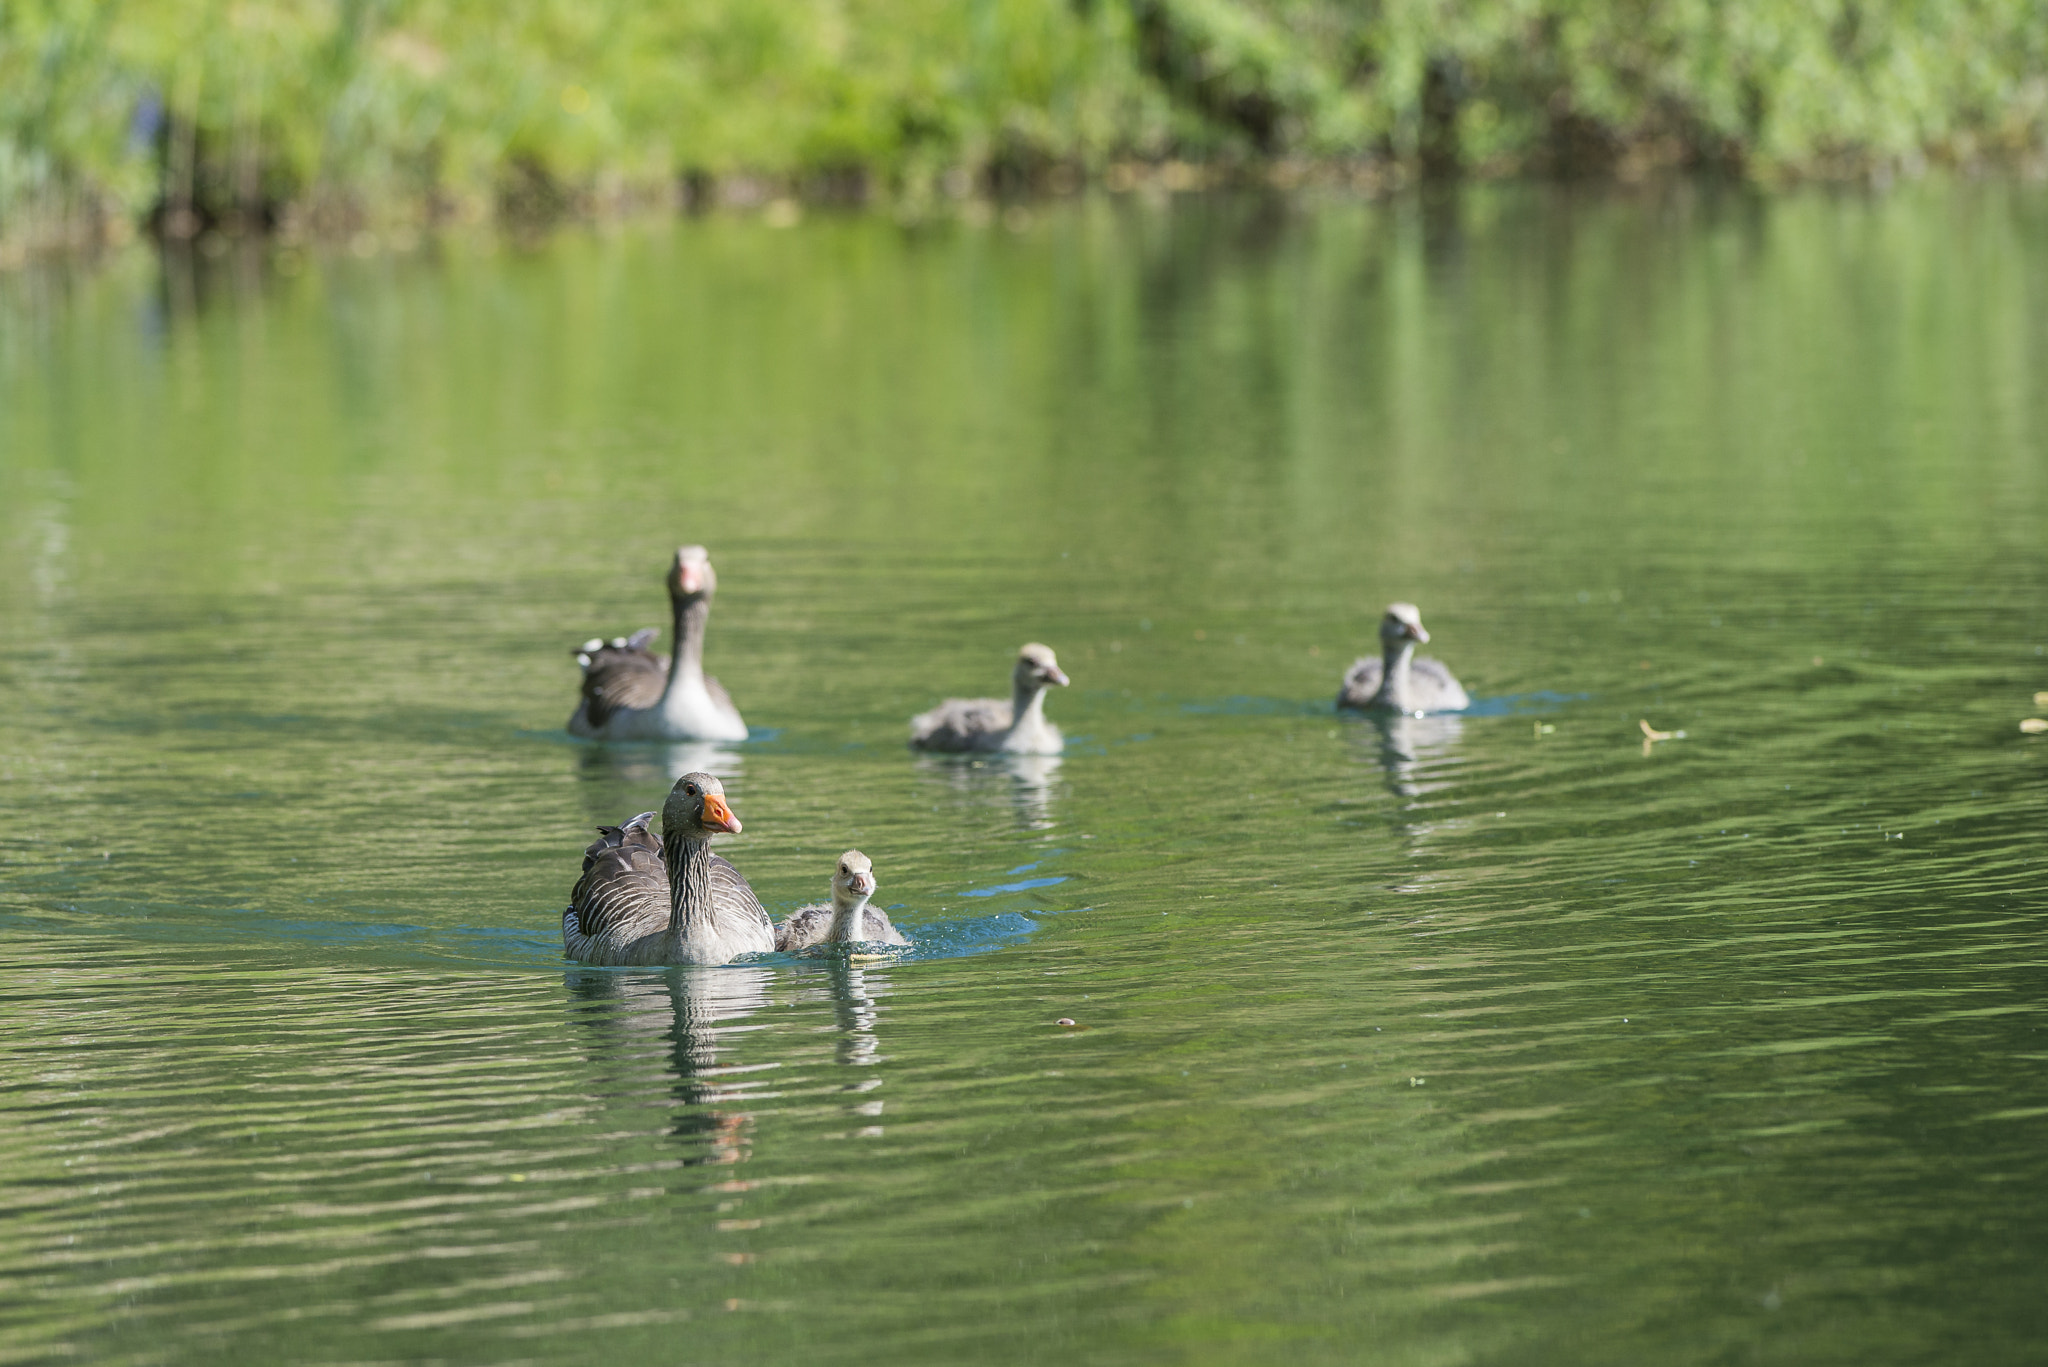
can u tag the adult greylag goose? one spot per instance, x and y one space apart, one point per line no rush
630 693
647 898
847 918
1399 681
1016 727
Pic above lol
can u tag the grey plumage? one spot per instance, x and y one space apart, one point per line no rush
806 926
958 723
616 676
1430 676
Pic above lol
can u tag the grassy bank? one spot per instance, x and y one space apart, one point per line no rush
183 114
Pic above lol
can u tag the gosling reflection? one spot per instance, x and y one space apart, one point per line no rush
1027 782
1415 752
856 987
688 1020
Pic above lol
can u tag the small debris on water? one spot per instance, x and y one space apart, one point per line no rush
1064 1020
2041 698
2034 726
1543 728
1651 735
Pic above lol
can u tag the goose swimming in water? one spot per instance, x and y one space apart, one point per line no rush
847 918
630 693
1016 727
1398 681
647 898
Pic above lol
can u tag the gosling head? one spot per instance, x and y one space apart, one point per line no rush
854 879
1403 623
1036 667
691 575
696 809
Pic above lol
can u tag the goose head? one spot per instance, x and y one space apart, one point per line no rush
854 879
696 809
691 576
1402 624
1036 668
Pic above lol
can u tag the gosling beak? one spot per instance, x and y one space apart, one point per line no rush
1052 675
863 884
690 579
1416 632
718 816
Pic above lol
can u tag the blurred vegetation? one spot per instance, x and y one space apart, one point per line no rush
187 113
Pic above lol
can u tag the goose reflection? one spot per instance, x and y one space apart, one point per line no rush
661 762
611 775
1027 782
689 1019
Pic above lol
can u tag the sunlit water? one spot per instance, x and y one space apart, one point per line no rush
1496 1039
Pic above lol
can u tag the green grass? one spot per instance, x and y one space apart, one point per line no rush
337 111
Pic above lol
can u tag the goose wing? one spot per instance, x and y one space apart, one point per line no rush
1361 681
719 695
804 927
877 928
623 893
954 723
734 899
1439 688
623 674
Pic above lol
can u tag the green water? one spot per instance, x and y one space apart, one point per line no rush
1481 1040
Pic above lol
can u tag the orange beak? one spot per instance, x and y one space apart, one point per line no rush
718 816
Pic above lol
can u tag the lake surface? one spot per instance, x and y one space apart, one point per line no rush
1495 1039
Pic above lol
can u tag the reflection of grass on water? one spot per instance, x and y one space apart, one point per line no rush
190 115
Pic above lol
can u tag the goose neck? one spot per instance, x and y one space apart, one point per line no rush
686 662
689 885
1394 674
847 916
1027 706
